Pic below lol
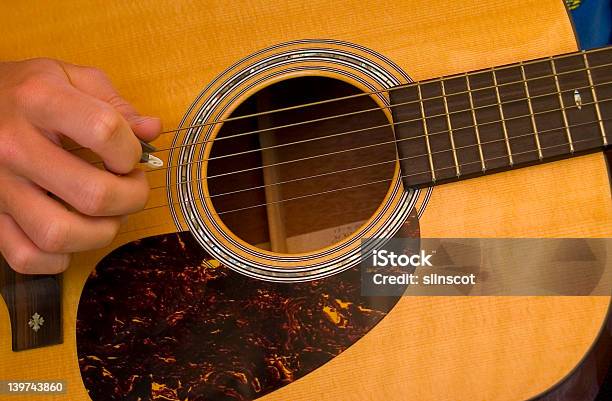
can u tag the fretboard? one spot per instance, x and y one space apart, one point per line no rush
491 120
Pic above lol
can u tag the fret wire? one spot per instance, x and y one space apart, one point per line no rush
450 129
562 105
529 62
431 165
546 131
476 129
594 94
503 118
492 158
533 121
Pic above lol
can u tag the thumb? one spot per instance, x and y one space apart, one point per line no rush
96 83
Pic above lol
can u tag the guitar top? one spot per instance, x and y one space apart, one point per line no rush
293 131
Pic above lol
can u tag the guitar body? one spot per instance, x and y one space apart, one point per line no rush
161 54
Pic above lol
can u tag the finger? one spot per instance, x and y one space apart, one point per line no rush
50 226
92 123
23 255
90 190
145 127
96 83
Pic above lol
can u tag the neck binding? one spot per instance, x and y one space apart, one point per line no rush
491 120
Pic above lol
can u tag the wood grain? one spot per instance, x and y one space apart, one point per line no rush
160 54
26 295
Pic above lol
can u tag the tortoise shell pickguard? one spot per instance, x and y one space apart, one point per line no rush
159 319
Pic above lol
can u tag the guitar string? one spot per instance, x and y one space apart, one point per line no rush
530 134
349 187
390 179
182 221
429 135
419 101
367 94
447 96
362 147
529 98
380 144
375 182
388 161
433 80
471 91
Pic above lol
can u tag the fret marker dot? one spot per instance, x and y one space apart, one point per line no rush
578 99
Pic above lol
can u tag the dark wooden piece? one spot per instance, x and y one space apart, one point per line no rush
27 295
506 117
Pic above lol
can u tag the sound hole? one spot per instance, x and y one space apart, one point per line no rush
307 186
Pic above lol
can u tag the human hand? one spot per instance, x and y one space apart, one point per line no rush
42 100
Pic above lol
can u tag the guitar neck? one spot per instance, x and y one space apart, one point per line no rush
491 120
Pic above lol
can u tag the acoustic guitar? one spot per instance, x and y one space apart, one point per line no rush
293 130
